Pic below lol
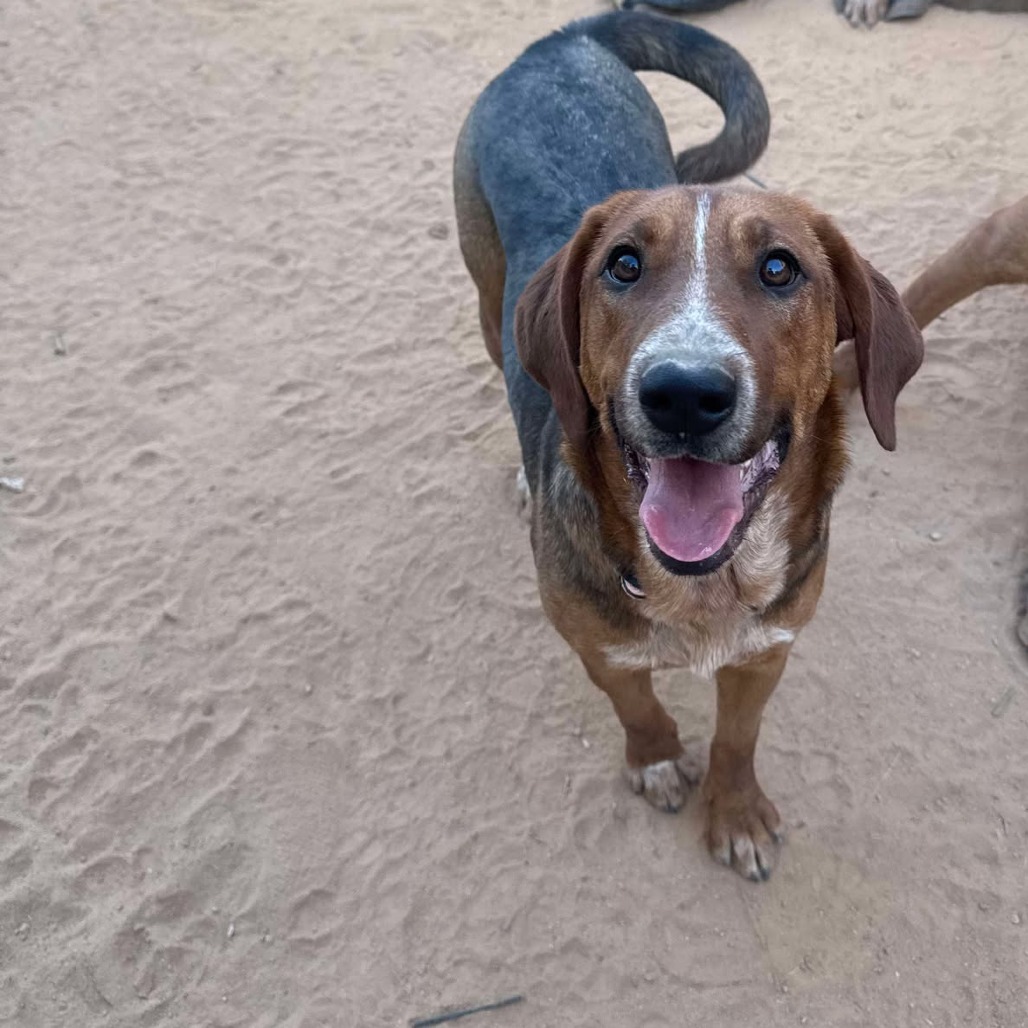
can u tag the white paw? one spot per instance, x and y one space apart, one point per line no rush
666 784
865 12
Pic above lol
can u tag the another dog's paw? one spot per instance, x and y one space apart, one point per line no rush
743 832
864 12
666 784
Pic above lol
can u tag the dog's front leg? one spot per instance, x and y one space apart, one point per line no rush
742 825
659 767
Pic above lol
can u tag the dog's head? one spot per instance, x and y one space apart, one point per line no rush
697 328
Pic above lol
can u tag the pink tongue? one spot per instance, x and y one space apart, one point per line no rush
690 507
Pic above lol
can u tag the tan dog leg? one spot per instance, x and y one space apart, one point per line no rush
658 765
742 823
993 253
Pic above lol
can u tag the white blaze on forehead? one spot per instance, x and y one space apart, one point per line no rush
697 288
696 334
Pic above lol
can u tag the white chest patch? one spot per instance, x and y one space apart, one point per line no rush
699 651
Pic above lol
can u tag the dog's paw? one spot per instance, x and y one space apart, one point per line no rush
864 12
666 784
743 832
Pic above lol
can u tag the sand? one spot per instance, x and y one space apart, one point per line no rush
287 740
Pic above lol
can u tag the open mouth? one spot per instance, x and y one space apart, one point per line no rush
696 512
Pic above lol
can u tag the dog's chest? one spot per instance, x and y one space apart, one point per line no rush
701 647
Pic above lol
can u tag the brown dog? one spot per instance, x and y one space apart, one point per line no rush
761 287
687 439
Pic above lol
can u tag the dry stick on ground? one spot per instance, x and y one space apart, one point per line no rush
453 1015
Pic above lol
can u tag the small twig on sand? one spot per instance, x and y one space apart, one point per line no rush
756 181
453 1015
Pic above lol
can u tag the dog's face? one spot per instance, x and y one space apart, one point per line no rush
697 328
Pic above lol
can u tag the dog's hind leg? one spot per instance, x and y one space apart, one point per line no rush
481 247
993 253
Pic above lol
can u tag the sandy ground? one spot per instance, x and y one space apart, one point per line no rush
286 739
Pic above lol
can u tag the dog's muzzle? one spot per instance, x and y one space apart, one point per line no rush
685 434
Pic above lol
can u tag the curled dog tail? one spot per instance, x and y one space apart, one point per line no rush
647 42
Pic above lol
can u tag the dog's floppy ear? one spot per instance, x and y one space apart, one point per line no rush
886 338
547 330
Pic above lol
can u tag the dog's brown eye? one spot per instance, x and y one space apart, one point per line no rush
624 265
779 269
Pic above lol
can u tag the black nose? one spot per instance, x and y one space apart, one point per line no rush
690 400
